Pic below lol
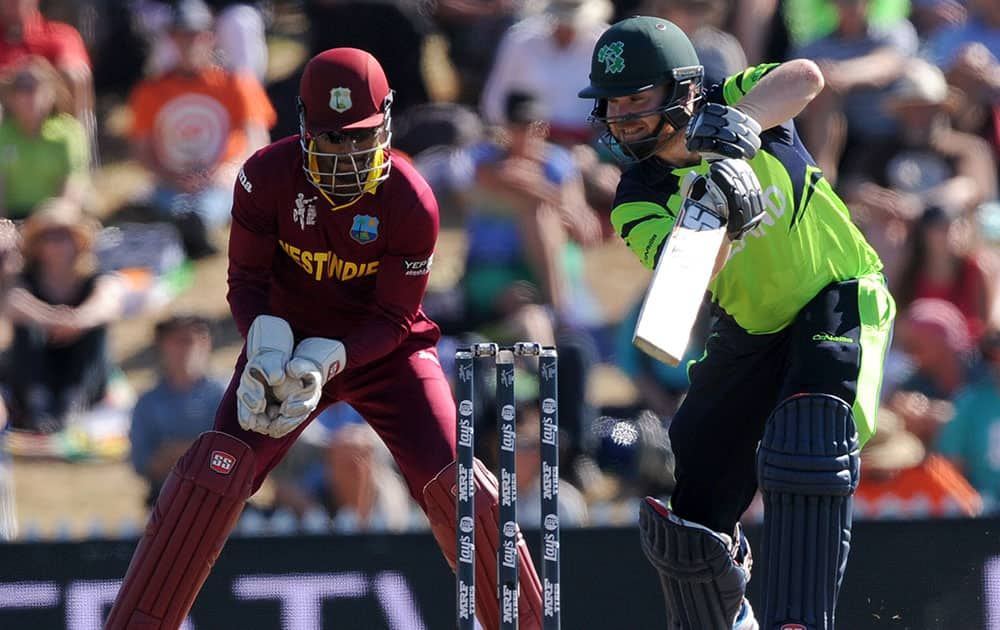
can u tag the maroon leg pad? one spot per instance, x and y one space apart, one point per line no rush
439 497
197 508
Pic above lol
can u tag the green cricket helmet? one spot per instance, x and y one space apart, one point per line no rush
637 54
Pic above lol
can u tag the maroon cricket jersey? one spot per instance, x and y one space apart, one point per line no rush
356 274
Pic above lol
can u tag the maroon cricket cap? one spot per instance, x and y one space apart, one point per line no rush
343 88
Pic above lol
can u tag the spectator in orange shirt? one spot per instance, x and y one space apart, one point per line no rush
194 126
24 31
900 480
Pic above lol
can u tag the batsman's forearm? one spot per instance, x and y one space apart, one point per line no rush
783 93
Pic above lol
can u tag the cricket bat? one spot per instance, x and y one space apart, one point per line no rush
679 282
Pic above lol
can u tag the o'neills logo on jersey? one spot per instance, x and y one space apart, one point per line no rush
221 462
327 265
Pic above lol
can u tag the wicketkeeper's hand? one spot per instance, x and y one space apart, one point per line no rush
269 347
315 361
718 131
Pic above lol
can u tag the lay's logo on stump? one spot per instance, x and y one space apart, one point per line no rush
221 462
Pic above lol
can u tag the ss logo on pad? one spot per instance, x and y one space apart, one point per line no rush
221 462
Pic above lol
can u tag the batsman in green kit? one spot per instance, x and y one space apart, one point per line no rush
787 390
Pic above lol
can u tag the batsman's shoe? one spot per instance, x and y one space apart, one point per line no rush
746 620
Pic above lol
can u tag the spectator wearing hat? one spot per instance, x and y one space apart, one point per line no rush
44 150
167 418
900 479
61 307
549 55
194 126
937 343
929 163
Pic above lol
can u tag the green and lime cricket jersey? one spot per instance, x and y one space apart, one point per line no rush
805 242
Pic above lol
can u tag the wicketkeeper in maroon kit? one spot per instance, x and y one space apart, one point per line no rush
330 249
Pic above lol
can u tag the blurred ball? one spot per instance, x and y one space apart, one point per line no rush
637 450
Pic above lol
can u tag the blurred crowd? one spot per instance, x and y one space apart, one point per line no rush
907 129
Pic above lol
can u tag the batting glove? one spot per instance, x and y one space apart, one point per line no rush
269 347
316 360
718 131
744 198
728 194
704 206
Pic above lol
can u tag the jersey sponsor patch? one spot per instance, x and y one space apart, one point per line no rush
364 229
418 267
221 462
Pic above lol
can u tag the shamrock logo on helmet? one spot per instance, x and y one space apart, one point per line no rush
611 56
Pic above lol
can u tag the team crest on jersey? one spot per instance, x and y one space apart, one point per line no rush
340 99
365 228
305 211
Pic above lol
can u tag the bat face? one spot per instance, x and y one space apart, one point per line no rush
679 282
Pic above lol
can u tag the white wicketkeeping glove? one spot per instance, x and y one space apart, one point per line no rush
269 347
315 361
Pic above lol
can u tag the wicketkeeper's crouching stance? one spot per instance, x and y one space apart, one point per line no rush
787 390
330 248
